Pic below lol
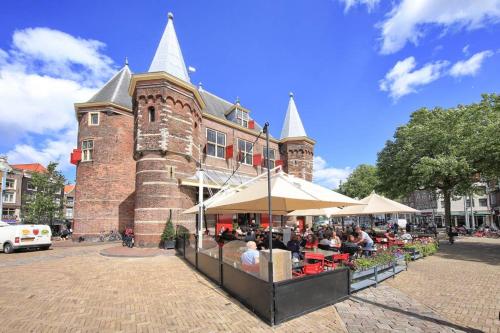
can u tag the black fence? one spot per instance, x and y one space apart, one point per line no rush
274 303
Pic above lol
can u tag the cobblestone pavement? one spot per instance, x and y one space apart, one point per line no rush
74 289
386 309
77 290
461 282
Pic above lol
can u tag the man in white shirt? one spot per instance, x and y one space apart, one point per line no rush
364 240
251 255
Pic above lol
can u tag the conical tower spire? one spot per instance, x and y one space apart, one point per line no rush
168 57
292 127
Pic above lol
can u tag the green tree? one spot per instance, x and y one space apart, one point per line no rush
442 150
361 182
45 204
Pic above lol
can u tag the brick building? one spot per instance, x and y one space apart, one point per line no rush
143 136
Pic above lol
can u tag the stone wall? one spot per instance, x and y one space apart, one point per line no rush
298 158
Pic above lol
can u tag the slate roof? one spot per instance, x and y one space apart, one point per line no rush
168 57
116 89
292 126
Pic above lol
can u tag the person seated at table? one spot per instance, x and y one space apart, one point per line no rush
293 246
251 255
335 240
364 240
250 236
350 246
311 242
259 239
278 243
390 237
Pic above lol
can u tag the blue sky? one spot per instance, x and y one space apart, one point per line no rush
358 68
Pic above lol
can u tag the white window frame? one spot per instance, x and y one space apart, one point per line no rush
98 118
242 117
87 153
271 160
69 209
246 152
13 187
30 187
216 144
68 202
4 198
9 209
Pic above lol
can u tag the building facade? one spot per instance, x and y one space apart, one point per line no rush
471 211
143 137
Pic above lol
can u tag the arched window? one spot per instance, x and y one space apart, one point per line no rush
152 114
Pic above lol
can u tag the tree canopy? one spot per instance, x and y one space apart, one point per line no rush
44 205
444 150
361 182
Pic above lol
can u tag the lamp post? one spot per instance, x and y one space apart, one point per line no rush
270 236
4 168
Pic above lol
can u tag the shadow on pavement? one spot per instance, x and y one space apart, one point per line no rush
471 250
418 316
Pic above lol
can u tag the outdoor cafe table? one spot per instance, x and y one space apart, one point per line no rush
326 253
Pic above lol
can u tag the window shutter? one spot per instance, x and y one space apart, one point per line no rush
229 152
76 156
278 162
257 159
251 124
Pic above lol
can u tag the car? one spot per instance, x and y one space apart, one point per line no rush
24 236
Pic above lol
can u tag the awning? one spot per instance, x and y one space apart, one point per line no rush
216 178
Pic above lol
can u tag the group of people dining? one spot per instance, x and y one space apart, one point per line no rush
325 238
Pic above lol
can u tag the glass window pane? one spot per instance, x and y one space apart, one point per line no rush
245 115
220 151
221 139
241 145
211 149
90 155
211 136
84 145
90 144
249 147
249 159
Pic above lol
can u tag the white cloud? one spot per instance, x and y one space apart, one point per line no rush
404 79
41 76
59 54
470 66
348 4
48 151
327 176
465 50
408 21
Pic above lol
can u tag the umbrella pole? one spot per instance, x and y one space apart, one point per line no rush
270 236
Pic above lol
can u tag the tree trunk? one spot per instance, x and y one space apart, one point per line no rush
447 208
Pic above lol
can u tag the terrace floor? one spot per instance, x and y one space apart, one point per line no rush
75 289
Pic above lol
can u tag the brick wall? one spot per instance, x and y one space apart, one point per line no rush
104 193
232 136
166 151
298 158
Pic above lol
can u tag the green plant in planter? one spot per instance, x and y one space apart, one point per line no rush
168 235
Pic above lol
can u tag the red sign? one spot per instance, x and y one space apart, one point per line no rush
76 156
257 159
229 152
278 162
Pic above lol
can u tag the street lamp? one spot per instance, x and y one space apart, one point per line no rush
4 168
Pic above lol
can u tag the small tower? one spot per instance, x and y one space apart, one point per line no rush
167 110
296 148
105 175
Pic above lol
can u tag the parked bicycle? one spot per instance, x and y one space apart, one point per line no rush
110 237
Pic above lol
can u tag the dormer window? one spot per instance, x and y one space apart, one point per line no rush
152 114
242 117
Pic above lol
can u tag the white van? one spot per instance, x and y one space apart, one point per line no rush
23 236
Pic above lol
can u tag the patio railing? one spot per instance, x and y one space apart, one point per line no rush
275 302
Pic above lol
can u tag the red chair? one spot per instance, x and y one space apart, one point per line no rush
315 267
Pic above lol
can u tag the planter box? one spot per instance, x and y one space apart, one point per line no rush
374 275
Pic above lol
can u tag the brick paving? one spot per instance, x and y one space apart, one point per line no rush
461 282
74 289
62 290
386 309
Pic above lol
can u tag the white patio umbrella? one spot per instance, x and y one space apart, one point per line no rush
375 204
288 193
315 212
